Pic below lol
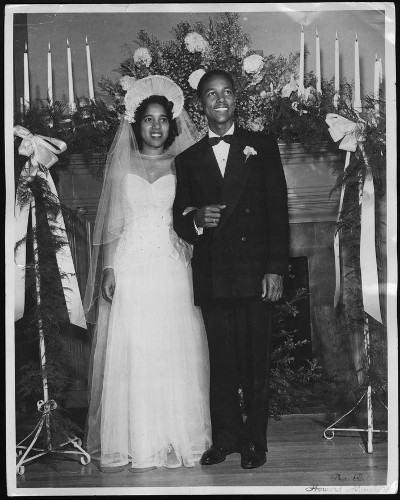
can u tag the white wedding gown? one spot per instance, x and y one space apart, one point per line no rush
154 407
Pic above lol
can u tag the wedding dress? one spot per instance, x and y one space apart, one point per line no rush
151 373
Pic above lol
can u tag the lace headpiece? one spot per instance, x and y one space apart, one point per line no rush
138 90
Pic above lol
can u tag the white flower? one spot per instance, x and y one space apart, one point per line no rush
305 94
256 125
253 63
196 43
263 94
142 56
249 151
195 77
289 87
126 82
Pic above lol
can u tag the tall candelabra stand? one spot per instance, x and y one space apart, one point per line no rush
45 406
329 432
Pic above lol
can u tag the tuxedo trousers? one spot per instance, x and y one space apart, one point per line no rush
239 341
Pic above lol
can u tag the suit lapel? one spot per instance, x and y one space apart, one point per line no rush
206 170
236 174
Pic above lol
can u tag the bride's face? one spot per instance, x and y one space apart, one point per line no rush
154 126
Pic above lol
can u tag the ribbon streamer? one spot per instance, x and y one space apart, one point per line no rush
369 271
351 136
42 152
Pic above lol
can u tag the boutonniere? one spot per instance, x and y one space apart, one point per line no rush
249 151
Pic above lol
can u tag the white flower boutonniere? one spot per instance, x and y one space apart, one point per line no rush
249 151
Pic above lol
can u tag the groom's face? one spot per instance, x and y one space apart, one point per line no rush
218 103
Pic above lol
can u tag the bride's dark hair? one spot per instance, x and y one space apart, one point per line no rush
140 111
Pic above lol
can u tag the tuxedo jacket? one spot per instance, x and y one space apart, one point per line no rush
252 237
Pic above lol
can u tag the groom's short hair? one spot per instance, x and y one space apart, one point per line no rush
209 74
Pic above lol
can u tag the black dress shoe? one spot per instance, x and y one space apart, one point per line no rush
251 457
213 455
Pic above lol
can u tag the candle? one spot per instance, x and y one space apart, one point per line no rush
318 62
70 80
26 78
377 81
337 88
357 88
49 78
89 70
301 72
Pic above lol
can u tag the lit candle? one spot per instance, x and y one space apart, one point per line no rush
318 62
49 78
337 88
70 80
301 72
26 78
357 87
377 81
89 70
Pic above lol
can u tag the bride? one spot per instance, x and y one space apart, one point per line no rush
149 373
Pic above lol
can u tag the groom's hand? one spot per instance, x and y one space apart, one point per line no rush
208 216
272 287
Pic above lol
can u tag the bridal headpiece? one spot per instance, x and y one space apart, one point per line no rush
138 90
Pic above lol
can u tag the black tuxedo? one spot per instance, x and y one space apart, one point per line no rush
229 262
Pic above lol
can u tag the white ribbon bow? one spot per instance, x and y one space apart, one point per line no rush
41 151
351 136
350 132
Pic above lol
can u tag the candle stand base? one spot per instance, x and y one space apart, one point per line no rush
329 432
44 421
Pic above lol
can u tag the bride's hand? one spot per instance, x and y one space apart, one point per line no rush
108 284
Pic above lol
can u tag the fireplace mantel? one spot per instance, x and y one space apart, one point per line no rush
308 174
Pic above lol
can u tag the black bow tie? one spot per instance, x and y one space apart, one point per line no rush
213 141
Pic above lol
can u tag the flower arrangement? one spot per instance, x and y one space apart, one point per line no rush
267 92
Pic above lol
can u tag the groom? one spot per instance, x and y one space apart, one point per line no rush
231 204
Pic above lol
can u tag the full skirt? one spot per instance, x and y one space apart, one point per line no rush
149 403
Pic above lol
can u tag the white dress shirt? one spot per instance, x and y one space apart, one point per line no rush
221 150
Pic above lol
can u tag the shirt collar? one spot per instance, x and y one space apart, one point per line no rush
229 132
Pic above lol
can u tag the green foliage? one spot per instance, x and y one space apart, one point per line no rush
47 311
287 376
90 129
371 155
